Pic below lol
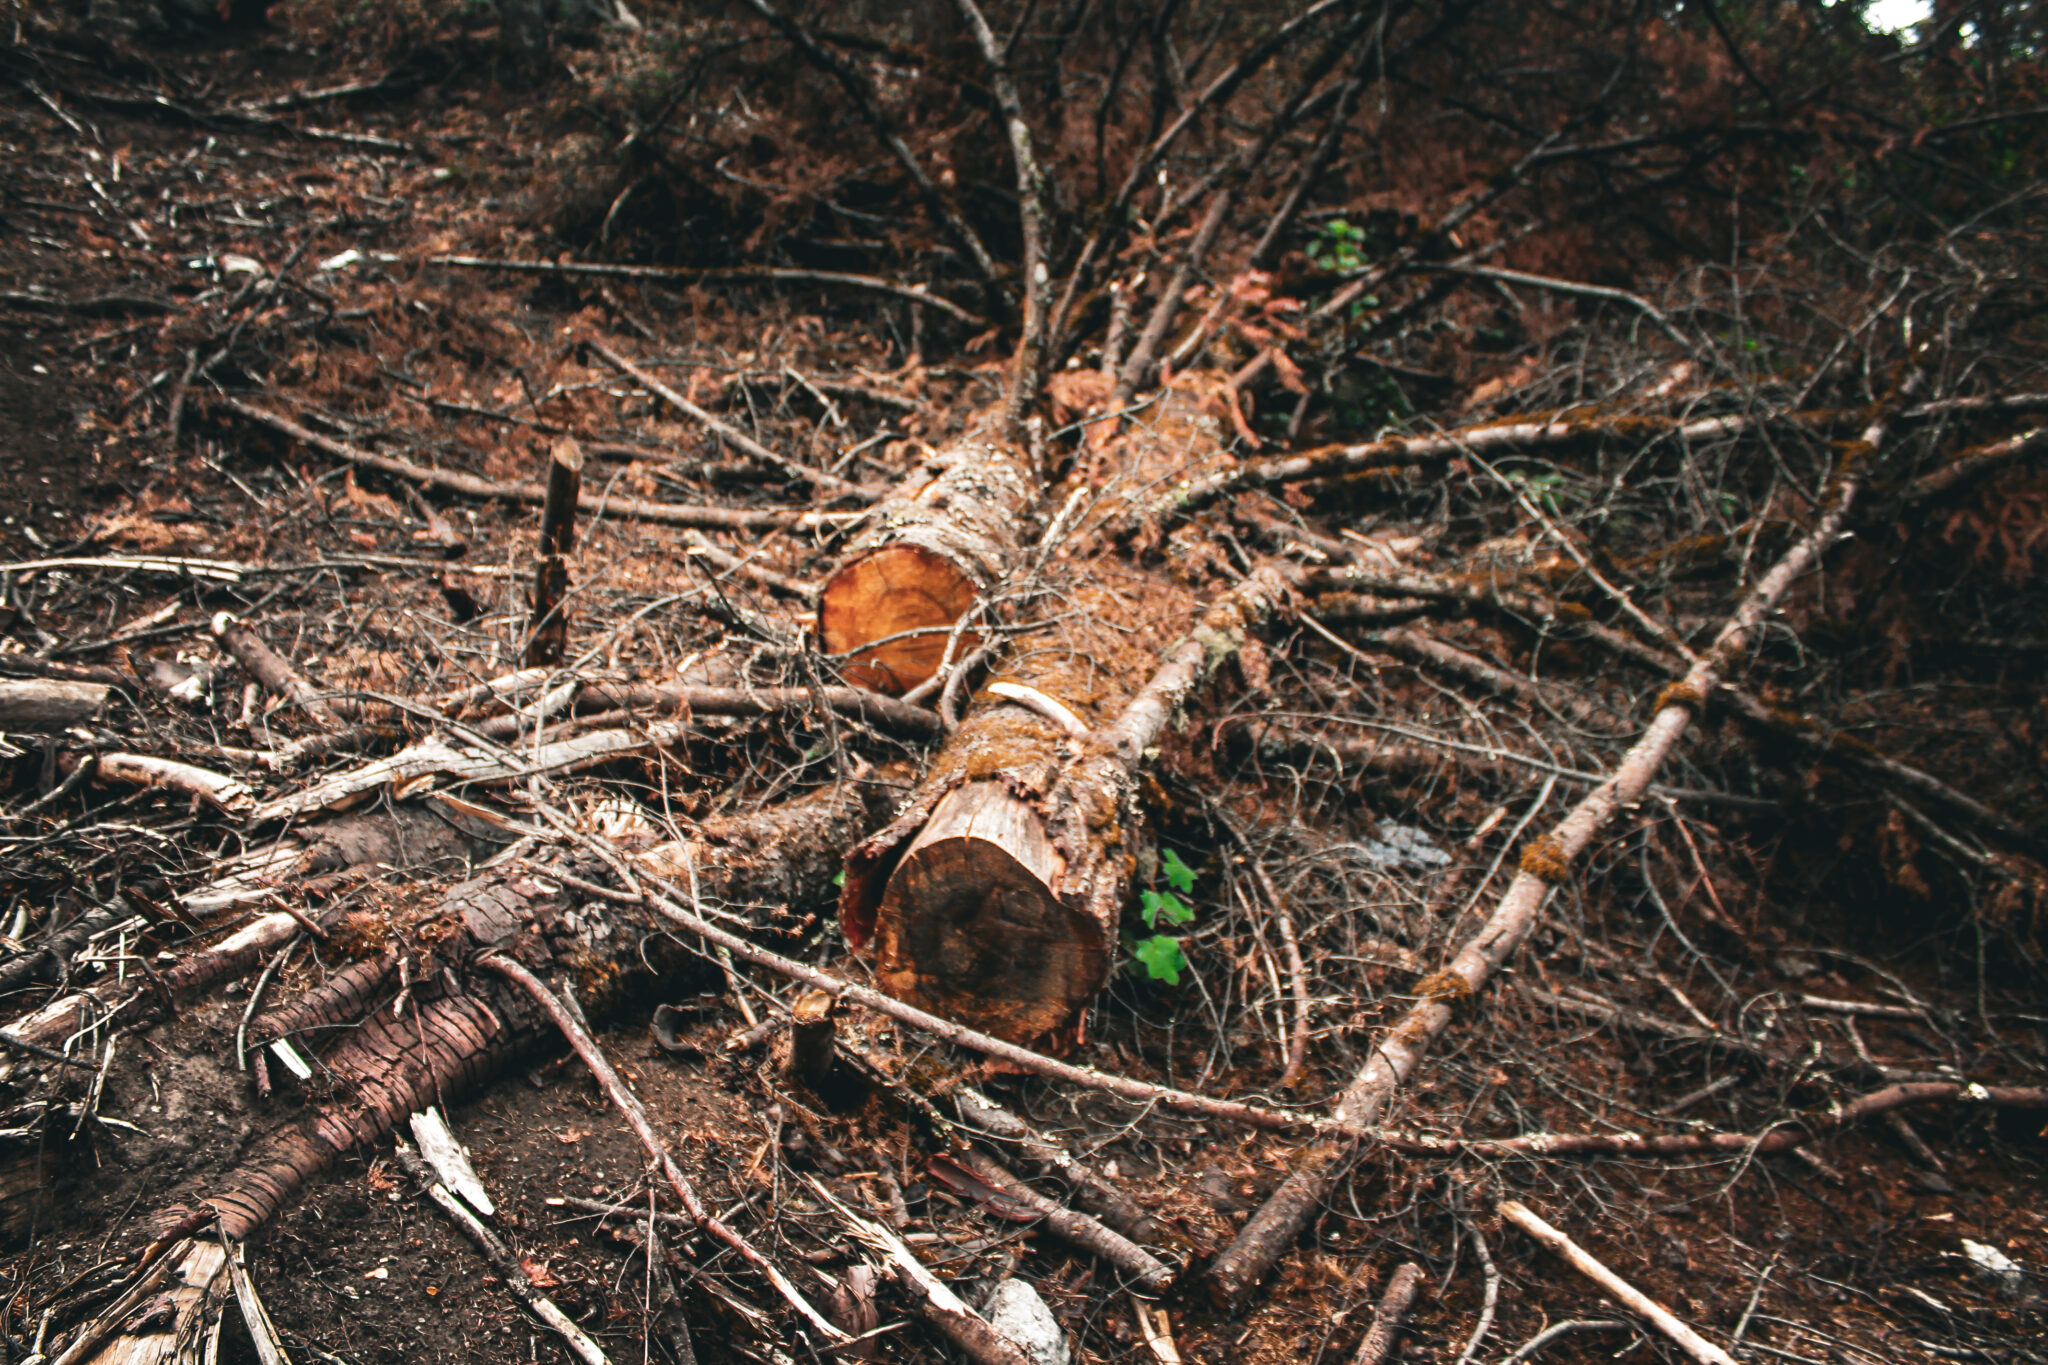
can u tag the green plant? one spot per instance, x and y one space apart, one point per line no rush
1544 488
1160 954
1338 245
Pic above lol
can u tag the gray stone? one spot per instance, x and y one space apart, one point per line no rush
1014 1309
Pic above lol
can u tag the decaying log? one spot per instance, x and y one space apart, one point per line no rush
48 703
1399 1051
547 626
994 897
949 533
186 1311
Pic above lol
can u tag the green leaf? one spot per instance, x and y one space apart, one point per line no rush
1161 957
1179 875
1165 904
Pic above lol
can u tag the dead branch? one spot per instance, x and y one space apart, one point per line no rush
1544 864
1686 1339
830 484
737 275
1785 1135
49 704
635 1115
929 1295
1154 1275
596 505
501 1260
1402 1286
271 670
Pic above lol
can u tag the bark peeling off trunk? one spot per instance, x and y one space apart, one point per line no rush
993 897
946 535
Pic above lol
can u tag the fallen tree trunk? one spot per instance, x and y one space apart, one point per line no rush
947 535
994 897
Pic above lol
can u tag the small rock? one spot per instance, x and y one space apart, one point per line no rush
1014 1309
1994 1265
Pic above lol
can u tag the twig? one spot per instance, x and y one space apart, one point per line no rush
1687 1340
502 1261
732 435
928 1294
738 275
1402 1287
1075 1227
635 1115
1558 1329
1544 864
1784 1135
1490 1300
596 505
1028 368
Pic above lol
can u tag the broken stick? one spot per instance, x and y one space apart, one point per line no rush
1583 1261
547 638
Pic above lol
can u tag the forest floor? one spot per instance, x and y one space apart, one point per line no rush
1860 1255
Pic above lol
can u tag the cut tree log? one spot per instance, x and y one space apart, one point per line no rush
947 535
994 897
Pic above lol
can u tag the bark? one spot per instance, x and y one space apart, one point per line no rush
547 638
946 536
49 704
994 897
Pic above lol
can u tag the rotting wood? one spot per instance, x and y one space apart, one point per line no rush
945 537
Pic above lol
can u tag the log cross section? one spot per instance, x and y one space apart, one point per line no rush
945 536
